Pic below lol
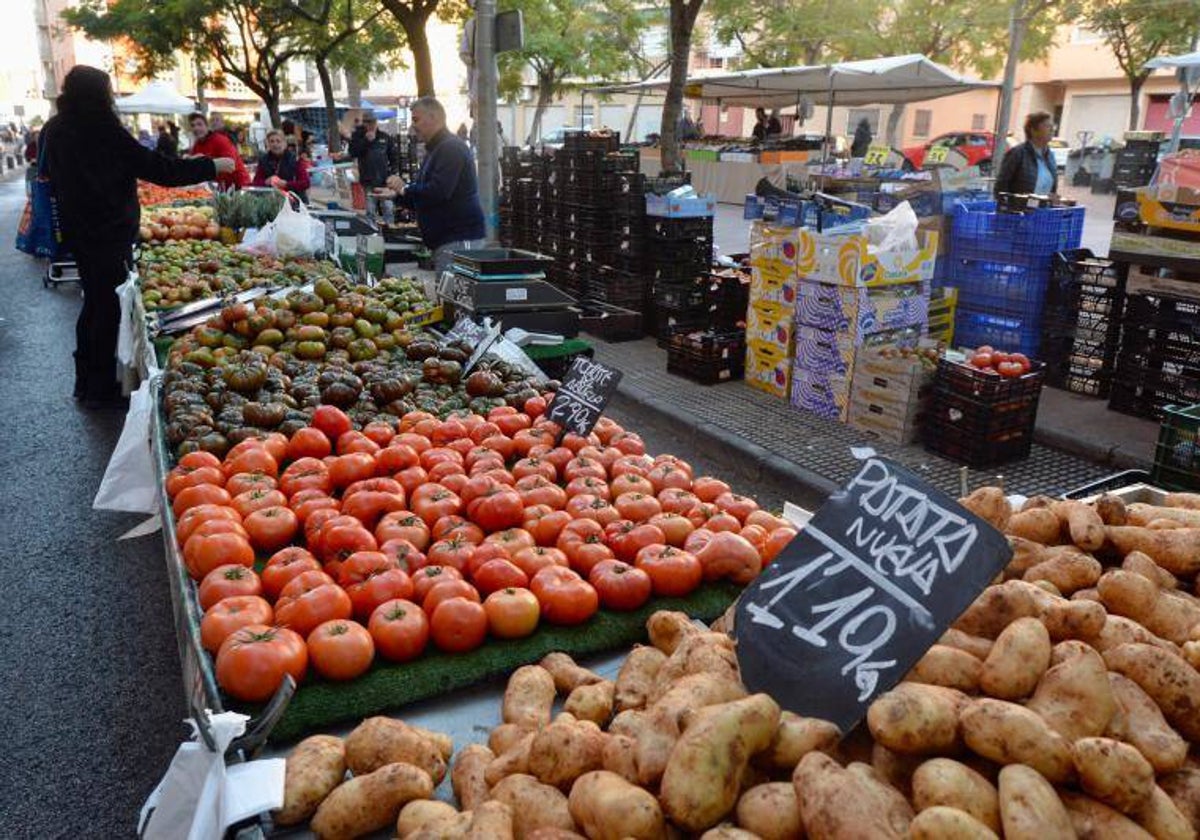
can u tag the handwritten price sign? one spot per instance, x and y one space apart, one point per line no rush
937 154
583 396
864 590
877 155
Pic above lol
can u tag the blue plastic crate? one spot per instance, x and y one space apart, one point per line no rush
992 278
1017 253
1044 230
973 328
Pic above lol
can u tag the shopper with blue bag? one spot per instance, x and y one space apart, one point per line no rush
39 233
93 165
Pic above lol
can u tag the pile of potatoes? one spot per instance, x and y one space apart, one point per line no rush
1065 702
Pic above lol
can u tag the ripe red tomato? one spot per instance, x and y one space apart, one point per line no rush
534 466
538 490
627 538
482 554
405 554
354 441
305 474
631 482
592 507
707 488
669 474
308 442
619 585
253 500
368 506
527 439
458 625
400 629
675 500
533 560
673 573
396 457
228 581
455 526
499 574
433 501
1010 370
589 485
454 552
229 615
285 565
253 662
582 540
271 528
311 606
341 537
512 613
535 407
346 469
723 522
332 421
981 359
545 524
199 494
566 598
219 526
403 525
195 460
675 528
429 577
511 424
629 443
243 482
340 649
512 540
582 467
378 588
777 541
195 517
202 554
633 464
448 589
497 508
1022 360
637 506
258 460
182 477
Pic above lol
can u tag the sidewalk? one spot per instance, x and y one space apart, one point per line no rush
756 435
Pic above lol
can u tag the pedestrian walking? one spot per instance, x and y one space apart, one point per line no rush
445 191
862 139
1029 167
215 144
279 167
94 164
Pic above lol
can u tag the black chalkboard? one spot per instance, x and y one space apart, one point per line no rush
583 396
877 575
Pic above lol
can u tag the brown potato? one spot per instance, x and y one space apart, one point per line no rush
696 691
1172 683
534 805
1141 564
700 784
443 742
379 741
1067 568
1162 818
667 629
725 831
1029 807
1143 514
420 813
548 833
562 752
1017 660
895 769
1177 550
1113 772
592 702
1183 500
795 738
1074 696
529 697
608 807
567 673
1011 734
943 781
996 608
698 653
1039 525
314 768
1166 613
974 645
506 736
916 719
516 760
836 803
943 823
1184 789
468 776
771 811
620 756
1083 524
1119 630
1026 554
948 667
371 801
1139 721
1096 821
492 820
454 826
991 505
1112 510
1073 619
635 680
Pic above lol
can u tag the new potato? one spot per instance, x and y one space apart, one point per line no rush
771 811
1017 660
943 823
1030 808
370 802
917 719
608 807
315 767
943 781
1008 733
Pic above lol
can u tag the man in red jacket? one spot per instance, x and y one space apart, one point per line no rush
214 144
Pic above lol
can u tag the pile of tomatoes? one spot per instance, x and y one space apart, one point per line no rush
999 363
383 541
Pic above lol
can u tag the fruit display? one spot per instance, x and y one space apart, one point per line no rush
992 361
152 195
1065 702
247 208
174 273
425 533
162 224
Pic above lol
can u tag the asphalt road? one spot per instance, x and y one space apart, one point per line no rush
91 700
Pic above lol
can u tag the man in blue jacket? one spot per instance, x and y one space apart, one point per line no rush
445 193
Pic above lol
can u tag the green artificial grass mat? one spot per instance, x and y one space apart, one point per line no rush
319 704
570 347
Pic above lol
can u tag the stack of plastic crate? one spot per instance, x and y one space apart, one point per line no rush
1081 328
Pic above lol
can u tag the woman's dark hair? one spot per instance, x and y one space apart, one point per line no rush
87 95
1033 121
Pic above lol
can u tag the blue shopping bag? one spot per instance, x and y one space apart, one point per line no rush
40 233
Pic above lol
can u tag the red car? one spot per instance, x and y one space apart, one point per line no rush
976 146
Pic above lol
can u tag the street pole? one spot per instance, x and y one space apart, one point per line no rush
1016 34
486 93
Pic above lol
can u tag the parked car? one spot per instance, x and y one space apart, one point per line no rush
976 146
1060 149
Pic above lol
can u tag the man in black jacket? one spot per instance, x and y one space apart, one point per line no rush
1029 167
378 159
445 193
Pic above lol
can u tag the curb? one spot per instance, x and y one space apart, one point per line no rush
1072 444
752 460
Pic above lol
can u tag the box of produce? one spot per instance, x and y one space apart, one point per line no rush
768 368
162 224
861 310
680 207
772 282
847 259
777 245
819 392
770 323
835 352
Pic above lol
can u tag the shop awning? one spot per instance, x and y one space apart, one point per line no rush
156 98
1173 62
902 78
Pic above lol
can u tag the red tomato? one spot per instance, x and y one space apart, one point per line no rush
777 541
429 577
629 443
285 565
245 482
580 467
405 554
1022 360
534 466
454 552
332 421
199 494
253 500
403 525
344 470
252 461
538 490
400 629
271 528
535 407
631 482
589 486
412 479
627 539
512 613
182 477
455 526
533 560
526 439
482 554
380 431
369 506
499 574
341 537
702 513
395 457
636 506
545 524
707 488
511 424
633 464
202 554
219 526
229 615
582 540
497 508
302 612
1010 370
194 460
194 517
592 507
673 573
458 625
725 554
340 649
253 662
619 585
448 589
981 359
675 528
434 503
723 522
566 598
305 474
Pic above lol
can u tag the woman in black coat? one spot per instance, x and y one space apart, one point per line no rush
1029 167
94 165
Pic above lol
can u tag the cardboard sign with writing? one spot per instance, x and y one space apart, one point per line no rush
877 155
869 585
583 396
937 154
465 329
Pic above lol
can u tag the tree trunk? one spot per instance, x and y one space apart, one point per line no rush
201 99
683 19
418 42
334 135
637 104
272 103
353 89
1135 100
895 121
545 95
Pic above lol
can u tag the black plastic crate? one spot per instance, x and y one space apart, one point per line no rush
664 182
629 206
612 323
673 230
978 432
1081 375
618 288
585 217
604 141
582 195
1161 311
708 357
671 269
968 381
1177 451
671 295
665 322
1147 391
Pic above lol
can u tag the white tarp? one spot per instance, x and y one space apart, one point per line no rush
1173 62
156 98
902 78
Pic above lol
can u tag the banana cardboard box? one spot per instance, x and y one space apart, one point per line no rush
845 259
768 368
775 244
772 282
862 311
770 323
826 351
826 395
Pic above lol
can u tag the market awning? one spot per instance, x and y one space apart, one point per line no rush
1173 62
902 78
156 98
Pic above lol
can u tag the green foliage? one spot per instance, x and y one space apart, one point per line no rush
1137 30
784 33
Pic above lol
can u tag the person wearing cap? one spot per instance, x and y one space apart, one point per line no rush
378 159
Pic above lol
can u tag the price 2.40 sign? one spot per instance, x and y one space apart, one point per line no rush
874 579
583 396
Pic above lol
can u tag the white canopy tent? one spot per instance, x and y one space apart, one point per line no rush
1188 67
156 98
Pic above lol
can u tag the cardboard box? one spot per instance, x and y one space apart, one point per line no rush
770 323
772 283
768 368
777 243
879 375
1141 282
845 259
823 394
664 206
859 310
835 352
884 420
940 225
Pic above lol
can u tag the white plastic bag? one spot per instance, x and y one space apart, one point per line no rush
259 240
129 482
297 234
895 231
127 294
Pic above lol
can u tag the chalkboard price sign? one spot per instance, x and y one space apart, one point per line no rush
885 566
583 396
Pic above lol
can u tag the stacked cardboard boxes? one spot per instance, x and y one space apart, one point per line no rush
770 317
888 391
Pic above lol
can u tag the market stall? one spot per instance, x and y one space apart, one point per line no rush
157 97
